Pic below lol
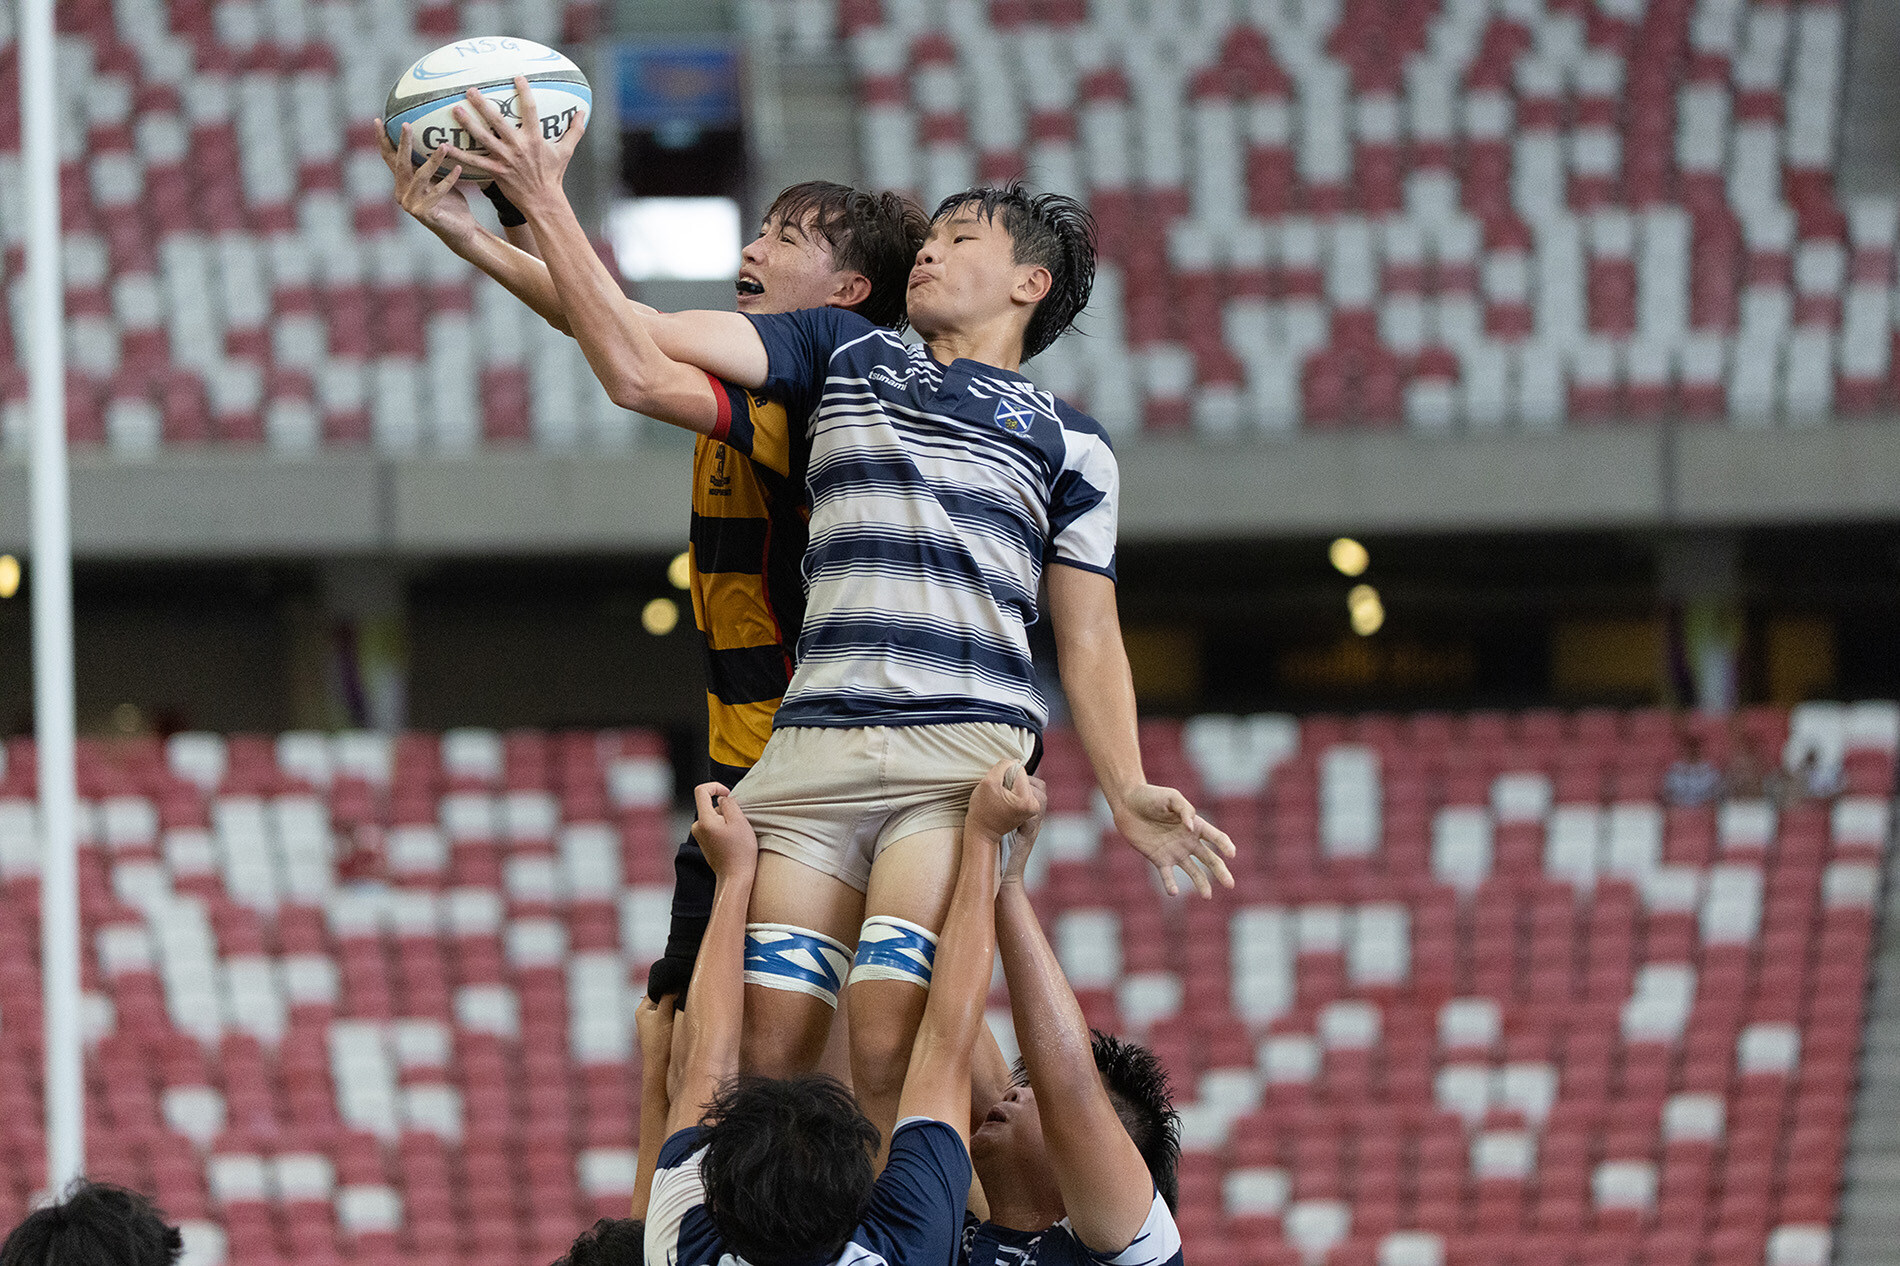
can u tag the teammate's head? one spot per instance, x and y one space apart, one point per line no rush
1005 254
824 245
1010 1143
787 1168
609 1242
95 1225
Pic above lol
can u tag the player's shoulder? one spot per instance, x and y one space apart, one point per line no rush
1079 427
1158 1243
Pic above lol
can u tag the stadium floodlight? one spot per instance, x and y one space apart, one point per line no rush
52 558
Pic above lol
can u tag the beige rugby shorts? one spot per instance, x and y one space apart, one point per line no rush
835 799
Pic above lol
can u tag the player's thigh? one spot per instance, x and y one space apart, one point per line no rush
788 1020
910 884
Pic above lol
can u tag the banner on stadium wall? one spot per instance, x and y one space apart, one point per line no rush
680 87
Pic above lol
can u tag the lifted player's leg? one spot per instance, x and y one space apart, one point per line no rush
905 905
802 926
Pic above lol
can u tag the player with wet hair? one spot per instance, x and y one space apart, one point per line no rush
1077 1148
780 1172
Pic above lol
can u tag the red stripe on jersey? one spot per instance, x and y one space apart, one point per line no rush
722 427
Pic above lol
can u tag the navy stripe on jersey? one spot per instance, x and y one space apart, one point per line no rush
939 493
1158 1243
915 1216
748 674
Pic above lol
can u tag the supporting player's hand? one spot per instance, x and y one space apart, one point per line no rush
1164 828
522 160
1004 800
654 1023
437 203
1024 839
723 833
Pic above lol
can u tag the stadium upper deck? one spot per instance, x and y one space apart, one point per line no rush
1490 221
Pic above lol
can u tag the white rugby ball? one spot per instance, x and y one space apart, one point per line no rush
426 95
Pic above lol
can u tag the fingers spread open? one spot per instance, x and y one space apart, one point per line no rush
1212 862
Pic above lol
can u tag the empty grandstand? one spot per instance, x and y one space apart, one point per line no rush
1558 933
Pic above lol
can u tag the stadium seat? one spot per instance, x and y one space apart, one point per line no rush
355 994
1553 218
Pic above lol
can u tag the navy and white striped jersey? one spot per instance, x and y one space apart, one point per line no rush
938 493
1157 1244
915 1218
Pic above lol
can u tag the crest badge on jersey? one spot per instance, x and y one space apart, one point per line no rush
1014 418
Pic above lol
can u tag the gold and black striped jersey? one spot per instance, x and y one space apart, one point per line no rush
750 526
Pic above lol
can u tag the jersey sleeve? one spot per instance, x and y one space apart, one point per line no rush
798 351
1085 502
677 1190
1158 1243
918 1206
753 425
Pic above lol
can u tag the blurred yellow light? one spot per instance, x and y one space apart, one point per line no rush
9 575
660 616
1367 612
1349 557
679 572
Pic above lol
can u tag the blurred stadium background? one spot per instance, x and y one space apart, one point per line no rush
1505 395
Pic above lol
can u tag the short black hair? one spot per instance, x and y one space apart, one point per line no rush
1138 1086
609 1242
877 234
94 1224
1050 230
787 1168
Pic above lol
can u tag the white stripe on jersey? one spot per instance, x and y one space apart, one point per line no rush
932 517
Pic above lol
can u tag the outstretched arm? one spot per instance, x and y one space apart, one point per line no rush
442 208
1158 821
711 1028
620 345
1106 1188
938 1082
654 1021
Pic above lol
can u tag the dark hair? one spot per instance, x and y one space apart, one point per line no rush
877 234
787 1167
1138 1086
609 1242
96 1224
1049 230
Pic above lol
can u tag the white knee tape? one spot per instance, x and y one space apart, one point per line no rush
893 949
796 960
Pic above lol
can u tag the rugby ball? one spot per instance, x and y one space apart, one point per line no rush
426 95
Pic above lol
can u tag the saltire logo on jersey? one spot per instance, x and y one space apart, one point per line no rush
1014 418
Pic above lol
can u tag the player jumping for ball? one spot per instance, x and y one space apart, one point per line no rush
942 482
819 245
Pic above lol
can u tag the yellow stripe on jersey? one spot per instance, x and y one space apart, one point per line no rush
738 730
748 539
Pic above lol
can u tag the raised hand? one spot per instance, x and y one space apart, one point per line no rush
723 833
1004 800
1163 827
1024 839
653 1021
438 204
520 158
